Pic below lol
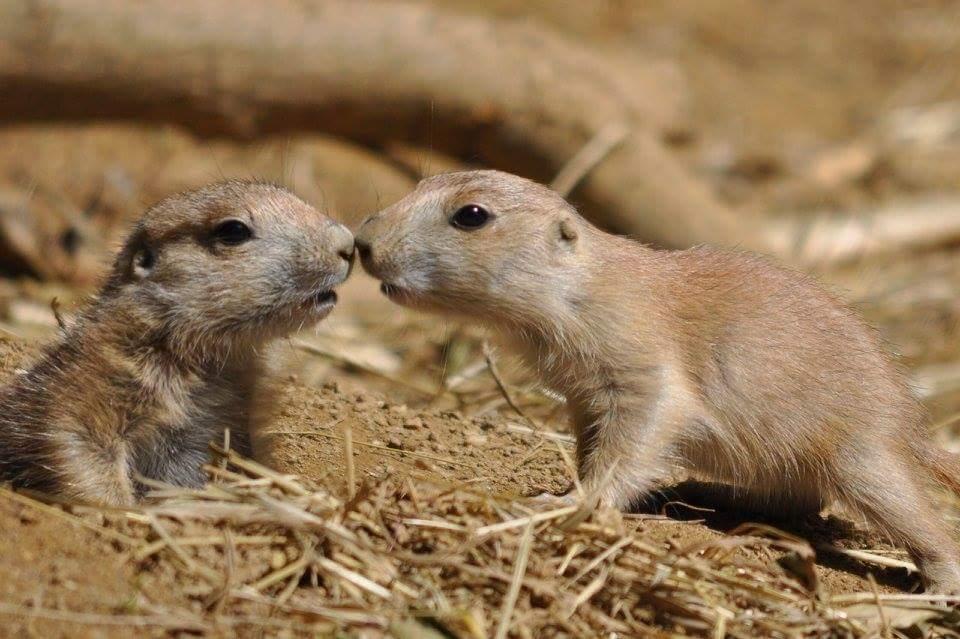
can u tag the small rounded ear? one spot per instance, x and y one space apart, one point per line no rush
142 263
568 231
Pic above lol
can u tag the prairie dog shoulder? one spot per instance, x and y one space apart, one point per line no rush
168 354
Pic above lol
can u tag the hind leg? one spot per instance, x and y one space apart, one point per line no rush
892 494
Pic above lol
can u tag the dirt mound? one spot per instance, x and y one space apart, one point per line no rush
425 525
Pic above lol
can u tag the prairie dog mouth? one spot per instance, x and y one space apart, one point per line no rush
403 296
325 297
321 302
393 291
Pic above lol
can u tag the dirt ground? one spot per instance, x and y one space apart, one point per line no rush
788 107
49 559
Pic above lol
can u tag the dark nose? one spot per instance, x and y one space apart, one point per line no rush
362 248
340 240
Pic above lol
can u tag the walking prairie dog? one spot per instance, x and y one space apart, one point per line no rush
718 362
169 354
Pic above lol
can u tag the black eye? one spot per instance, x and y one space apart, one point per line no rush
145 259
470 217
70 241
143 262
232 232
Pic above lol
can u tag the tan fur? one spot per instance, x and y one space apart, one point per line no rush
169 355
719 362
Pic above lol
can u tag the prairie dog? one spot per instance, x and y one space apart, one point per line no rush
718 362
169 353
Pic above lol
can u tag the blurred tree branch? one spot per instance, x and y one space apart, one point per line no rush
511 94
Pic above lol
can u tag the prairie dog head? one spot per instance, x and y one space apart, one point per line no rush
478 244
231 262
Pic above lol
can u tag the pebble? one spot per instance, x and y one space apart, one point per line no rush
476 439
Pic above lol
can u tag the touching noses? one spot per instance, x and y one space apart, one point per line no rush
361 241
343 242
362 248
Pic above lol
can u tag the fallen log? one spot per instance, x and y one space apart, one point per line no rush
834 237
503 93
510 94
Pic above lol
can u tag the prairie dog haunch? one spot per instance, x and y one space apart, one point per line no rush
169 354
719 362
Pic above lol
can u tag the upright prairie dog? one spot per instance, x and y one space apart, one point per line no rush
169 354
719 362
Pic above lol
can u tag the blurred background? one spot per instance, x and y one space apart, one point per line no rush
825 133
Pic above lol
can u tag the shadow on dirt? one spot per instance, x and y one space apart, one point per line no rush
720 508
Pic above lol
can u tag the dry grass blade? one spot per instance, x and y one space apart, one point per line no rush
343 616
279 575
520 567
884 622
526 521
298 518
507 396
599 559
258 470
869 557
868 597
94 619
344 359
351 477
589 591
429 523
467 373
355 578
192 565
560 437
